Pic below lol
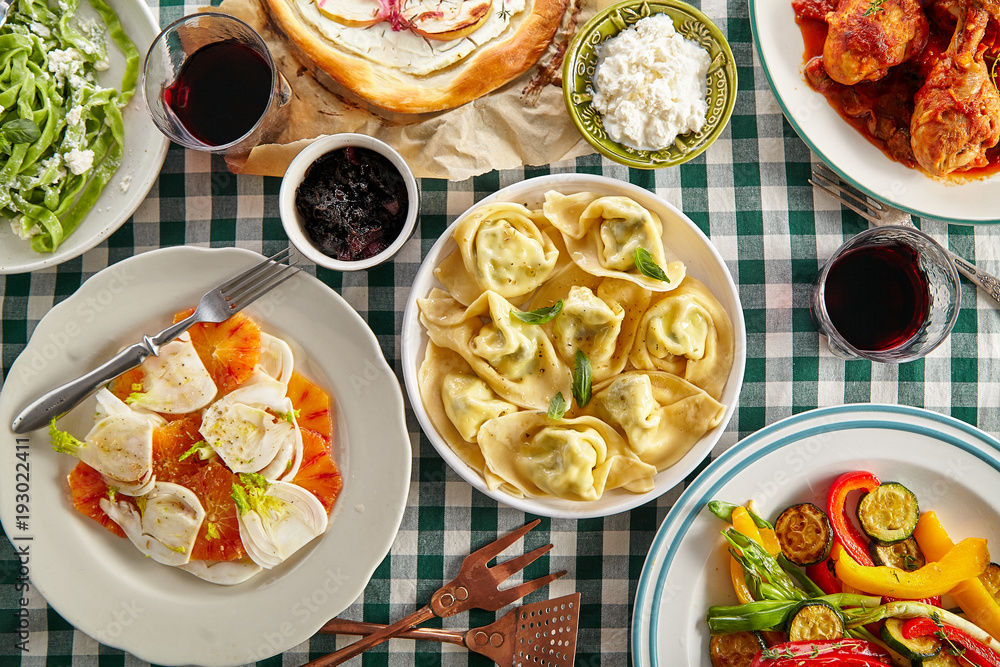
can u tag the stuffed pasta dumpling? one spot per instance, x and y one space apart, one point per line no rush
574 459
687 332
440 378
603 238
661 414
516 359
501 249
601 323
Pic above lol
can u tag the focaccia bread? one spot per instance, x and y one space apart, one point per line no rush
415 56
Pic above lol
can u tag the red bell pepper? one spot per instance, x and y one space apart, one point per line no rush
934 601
822 575
972 650
846 533
809 653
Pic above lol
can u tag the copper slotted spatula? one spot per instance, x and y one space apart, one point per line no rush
541 633
476 586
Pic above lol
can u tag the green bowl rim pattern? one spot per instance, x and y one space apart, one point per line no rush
577 87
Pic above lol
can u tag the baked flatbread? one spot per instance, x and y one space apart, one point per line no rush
416 56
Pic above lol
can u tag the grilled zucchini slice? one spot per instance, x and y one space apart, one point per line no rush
905 555
889 512
918 649
735 649
813 620
804 533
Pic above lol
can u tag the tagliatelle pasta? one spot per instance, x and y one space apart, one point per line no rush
61 131
567 356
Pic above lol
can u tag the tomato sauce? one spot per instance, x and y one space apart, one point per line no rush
880 111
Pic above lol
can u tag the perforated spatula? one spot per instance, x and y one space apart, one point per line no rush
541 633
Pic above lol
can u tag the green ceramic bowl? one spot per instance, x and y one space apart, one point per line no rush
581 62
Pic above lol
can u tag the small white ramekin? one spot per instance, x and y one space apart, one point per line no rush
292 220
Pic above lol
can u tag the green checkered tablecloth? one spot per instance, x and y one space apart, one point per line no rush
748 192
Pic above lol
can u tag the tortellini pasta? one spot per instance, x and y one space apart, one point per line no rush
687 332
573 459
517 360
604 237
661 415
525 294
502 250
599 320
470 403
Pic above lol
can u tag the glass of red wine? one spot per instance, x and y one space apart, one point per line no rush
211 84
889 294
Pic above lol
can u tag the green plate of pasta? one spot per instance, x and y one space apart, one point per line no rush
78 152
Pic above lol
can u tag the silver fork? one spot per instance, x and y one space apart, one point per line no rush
218 304
879 214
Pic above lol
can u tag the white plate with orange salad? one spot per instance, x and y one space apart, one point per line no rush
952 467
353 464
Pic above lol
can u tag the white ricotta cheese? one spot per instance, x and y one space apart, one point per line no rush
650 84
74 115
79 162
23 234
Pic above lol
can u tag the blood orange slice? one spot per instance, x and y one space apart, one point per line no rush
219 537
170 443
319 473
87 488
126 383
230 350
315 409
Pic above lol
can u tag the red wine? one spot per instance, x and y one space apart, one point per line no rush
222 91
877 297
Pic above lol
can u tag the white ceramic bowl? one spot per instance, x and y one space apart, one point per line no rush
683 240
296 171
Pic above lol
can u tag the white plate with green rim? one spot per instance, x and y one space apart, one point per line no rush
953 468
145 148
105 587
779 45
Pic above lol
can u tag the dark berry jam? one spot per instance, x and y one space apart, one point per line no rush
353 202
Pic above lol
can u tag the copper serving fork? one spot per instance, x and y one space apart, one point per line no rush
216 305
540 633
476 586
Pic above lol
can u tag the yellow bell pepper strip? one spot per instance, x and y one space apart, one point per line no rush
743 593
743 522
836 508
971 595
769 538
965 560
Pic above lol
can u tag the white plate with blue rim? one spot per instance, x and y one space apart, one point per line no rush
779 45
100 583
953 468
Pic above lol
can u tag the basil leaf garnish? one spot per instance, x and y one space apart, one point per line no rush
539 316
583 377
21 131
557 407
647 265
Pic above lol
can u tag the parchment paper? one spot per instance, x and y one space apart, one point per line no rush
523 123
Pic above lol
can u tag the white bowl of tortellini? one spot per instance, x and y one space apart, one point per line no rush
573 346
